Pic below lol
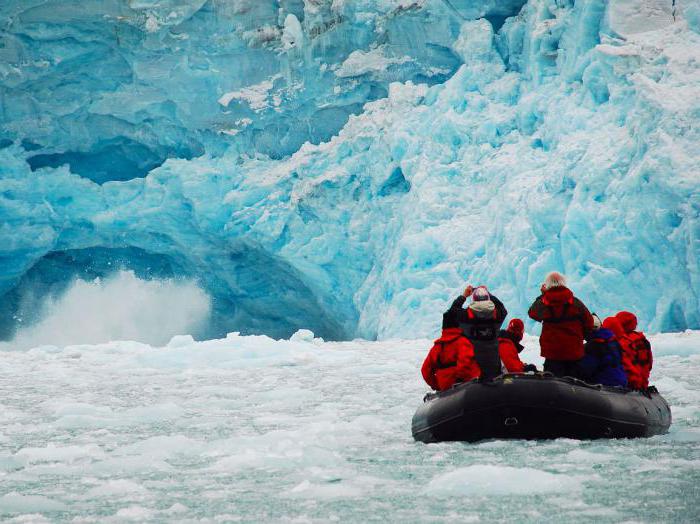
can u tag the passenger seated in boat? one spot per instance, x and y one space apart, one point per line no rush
451 359
480 322
602 362
565 323
636 352
509 347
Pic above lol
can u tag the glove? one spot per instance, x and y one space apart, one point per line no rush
529 367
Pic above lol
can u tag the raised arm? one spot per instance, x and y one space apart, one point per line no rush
500 308
536 311
457 304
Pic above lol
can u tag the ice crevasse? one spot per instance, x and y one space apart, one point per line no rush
347 166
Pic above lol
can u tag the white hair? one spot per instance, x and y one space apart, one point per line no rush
554 279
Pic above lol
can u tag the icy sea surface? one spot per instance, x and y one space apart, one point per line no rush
256 430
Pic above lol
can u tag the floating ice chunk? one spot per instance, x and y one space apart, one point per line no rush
136 513
179 341
86 416
309 490
302 335
177 508
65 454
685 435
675 343
117 488
500 480
162 447
17 503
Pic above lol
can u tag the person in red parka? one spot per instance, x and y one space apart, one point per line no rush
614 325
509 347
451 359
636 352
565 323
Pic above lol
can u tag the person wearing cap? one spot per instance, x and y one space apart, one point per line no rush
566 321
451 359
636 351
602 362
509 347
480 323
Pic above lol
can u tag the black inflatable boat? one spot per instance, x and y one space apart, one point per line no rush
539 406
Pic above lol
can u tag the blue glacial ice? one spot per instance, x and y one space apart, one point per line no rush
346 166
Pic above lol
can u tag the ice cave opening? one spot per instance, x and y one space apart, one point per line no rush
254 292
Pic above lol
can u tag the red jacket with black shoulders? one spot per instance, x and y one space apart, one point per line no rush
565 322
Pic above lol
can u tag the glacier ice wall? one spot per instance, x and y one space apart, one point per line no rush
115 87
346 166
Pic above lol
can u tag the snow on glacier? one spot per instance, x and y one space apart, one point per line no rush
566 139
256 430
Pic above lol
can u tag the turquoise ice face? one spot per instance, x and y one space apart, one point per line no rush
489 141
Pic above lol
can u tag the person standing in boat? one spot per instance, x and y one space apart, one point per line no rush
509 347
451 359
480 323
636 351
565 323
602 362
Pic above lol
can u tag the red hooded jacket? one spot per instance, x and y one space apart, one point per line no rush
508 351
451 359
565 322
636 351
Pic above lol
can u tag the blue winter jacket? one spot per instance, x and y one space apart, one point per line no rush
602 362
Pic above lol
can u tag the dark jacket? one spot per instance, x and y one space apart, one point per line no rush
565 323
481 328
602 362
450 360
509 348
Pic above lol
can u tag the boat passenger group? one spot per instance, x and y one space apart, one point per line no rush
574 342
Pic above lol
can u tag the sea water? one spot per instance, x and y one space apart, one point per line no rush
250 429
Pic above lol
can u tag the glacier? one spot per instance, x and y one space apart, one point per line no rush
345 166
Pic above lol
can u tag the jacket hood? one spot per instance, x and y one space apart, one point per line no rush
513 338
628 321
557 295
613 324
483 308
449 334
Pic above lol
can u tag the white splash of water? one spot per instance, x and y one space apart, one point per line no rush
120 307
